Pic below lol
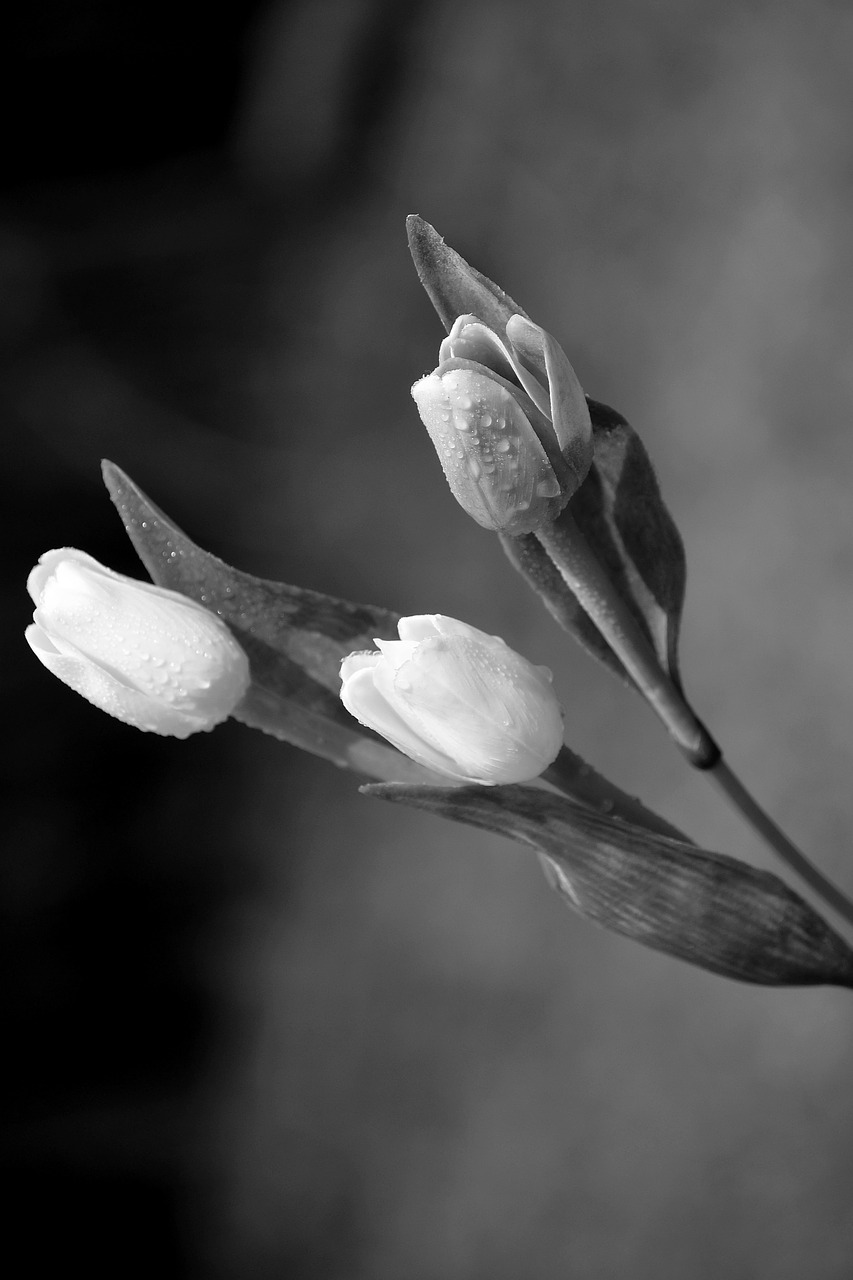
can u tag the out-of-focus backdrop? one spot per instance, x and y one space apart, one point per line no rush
257 1025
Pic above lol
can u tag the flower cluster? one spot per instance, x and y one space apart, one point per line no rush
452 698
513 432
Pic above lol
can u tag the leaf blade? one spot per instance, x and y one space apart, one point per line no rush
294 638
454 287
708 909
620 511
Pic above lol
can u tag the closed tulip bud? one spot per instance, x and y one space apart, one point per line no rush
150 657
457 701
514 445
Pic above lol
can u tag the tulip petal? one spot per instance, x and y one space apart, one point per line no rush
147 655
492 458
493 712
470 339
397 652
358 662
48 563
457 700
364 699
446 626
567 407
561 402
110 694
419 626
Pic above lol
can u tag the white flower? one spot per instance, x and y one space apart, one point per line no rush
148 656
513 448
457 701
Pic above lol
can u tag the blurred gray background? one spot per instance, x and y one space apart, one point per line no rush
258 1025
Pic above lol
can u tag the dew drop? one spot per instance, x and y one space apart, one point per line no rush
503 446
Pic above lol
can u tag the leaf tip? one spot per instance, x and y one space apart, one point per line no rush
420 232
111 474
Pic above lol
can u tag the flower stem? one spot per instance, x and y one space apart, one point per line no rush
584 575
761 822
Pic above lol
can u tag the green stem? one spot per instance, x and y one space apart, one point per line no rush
583 574
761 822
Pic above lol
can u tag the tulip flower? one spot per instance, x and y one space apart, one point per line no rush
457 701
150 657
513 450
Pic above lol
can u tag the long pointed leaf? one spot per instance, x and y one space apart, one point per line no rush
620 511
706 908
455 288
294 638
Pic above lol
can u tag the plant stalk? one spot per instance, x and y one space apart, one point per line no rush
583 573
761 822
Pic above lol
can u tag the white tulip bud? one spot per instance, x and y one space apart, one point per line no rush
150 657
457 701
513 449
